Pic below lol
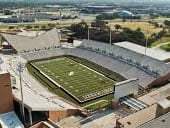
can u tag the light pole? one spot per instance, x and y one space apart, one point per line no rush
110 36
88 33
146 45
146 41
20 70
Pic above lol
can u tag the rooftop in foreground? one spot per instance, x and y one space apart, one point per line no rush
160 122
10 120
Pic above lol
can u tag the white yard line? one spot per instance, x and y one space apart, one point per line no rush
94 103
90 69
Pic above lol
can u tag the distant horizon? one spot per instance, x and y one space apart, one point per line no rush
19 3
99 1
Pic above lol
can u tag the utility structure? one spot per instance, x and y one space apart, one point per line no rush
146 45
20 69
146 40
88 33
110 35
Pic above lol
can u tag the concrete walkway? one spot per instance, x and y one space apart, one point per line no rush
36 96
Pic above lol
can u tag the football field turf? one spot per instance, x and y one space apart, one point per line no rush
81 82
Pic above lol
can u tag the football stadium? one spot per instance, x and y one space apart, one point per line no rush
80 83
83 81
88 73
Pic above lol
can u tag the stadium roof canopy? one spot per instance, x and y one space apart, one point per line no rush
100 7
25 43
154 53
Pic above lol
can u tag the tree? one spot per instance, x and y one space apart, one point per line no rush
153 16
135 36
51 25
36 26
156 25
127 34
11 27
162 33
100 24
138 29
28 27
167 22
7 12
43 27
117 26
124 19
107 16
80 29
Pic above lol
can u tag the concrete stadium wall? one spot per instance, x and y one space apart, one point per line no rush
6 97
126 87
160 81
58 115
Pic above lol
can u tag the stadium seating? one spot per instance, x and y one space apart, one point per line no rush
123 61
130 57
42 54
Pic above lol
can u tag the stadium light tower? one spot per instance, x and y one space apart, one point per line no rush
110 40
20 70
110 34
146 45
146 41
88 33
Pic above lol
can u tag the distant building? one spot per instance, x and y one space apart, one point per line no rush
42 16
125 13
16 19
11 20
96 9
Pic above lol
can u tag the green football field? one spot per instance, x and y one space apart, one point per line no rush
81 82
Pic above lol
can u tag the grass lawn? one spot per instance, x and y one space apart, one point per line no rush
58 91
160 41
146 28
97 105
161 19
81 82
168 97
165 47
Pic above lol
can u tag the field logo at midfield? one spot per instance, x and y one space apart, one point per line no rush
71 73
